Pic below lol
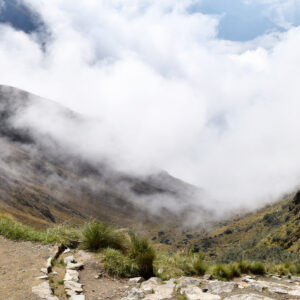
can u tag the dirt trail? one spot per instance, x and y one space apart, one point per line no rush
102 288
20 264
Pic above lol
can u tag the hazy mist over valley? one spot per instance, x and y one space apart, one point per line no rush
149 150
152 86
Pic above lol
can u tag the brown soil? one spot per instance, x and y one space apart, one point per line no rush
20 264
101 288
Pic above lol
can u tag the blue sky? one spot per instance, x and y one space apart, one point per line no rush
240 20
245 20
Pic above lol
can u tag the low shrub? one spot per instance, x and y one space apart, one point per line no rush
98 235
116 263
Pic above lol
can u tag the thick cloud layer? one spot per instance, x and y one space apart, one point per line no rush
165 92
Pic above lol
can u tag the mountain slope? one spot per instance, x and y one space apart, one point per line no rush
43 182
269 234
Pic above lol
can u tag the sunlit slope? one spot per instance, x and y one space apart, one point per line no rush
271 233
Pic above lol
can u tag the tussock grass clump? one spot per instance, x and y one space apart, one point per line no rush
143 254
98 235
222 272
244 266
116 263
199 266
257 268
235 270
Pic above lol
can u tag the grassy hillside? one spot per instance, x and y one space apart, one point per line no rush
269 234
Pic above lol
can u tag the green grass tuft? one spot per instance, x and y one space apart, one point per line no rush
257 268
116 263
144 255
98 235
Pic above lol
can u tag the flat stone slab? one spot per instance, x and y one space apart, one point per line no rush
75 286
195 293
248 297
77 266
218 287
69 259
77 297
71 275
44 291
136 280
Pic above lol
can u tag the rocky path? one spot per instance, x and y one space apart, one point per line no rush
190 288
81 275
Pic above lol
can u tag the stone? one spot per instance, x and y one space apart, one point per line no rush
67 250
44 270
294 293
185 281
166 290
98 276
71 275
278 290
248 297
256 287
69 259
160 271
207 277
296 278
148 286
77 266
77 297
44 291
44 277
49 265
75 286
136 280
195 293
248 279
218 287
135 294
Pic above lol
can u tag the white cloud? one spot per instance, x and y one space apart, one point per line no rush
220 114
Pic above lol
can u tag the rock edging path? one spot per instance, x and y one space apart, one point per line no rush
72 286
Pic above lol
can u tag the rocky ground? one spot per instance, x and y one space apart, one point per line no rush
79 275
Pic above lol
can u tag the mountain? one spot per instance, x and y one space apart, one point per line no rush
44 182
268 234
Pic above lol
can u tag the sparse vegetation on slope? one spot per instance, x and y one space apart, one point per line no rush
57 234
129 255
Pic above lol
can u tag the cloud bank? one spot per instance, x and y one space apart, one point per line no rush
165 92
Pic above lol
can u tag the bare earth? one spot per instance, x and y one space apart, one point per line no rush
20 264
